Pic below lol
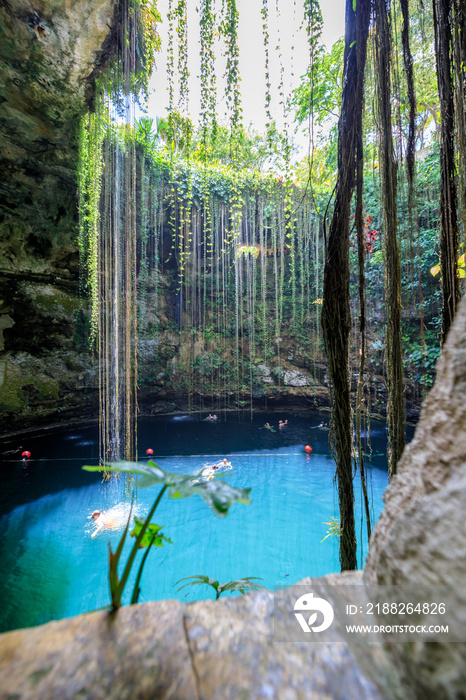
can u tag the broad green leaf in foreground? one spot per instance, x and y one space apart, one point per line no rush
218 495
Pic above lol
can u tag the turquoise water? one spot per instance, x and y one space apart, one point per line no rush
52 567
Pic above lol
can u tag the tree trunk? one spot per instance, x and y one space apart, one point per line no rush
448 218
396 405
336 317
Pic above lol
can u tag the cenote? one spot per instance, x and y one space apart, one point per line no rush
53 568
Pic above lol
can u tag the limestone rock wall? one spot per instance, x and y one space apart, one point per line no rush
420 538
50 52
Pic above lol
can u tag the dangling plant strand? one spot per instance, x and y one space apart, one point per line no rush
229 29
180 13
396 405
268 85
449 243
90 186
208 115
336 318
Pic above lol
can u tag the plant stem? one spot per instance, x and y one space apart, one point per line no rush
138 541
136 589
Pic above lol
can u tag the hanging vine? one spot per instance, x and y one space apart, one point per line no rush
229 29
388 175
336 318
208 115
449 243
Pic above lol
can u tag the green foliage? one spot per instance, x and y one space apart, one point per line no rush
242 585
147 18
229 30
152 535
334 529
82 331
131 66
218 495
252 150
90 166
208 116
320 88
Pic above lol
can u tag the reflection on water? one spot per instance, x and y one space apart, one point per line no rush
53 567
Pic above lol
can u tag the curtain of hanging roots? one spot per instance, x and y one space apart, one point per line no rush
361 405
460 106
448 217
117 261
336 320
395 407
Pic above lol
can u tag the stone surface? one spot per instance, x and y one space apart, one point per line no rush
139 653
202 651
295 378
420 537
48 373
45 60
264 374
235 656
50 51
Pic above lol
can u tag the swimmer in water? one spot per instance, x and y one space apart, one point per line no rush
209 471
99 521
223 463
106 520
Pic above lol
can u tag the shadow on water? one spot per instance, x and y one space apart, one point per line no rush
55 464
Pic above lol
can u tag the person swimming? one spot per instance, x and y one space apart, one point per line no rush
211 417
209 471
223 463
111 519
99 520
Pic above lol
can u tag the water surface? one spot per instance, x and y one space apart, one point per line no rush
53 568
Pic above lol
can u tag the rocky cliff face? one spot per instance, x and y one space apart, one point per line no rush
50 52
420 538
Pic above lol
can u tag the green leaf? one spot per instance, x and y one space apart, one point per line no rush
152 534
354 5
241 585
198 580
218 495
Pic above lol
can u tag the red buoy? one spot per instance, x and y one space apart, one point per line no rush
308 449
149 452
26 454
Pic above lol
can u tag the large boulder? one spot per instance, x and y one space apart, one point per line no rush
420 538
165 650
